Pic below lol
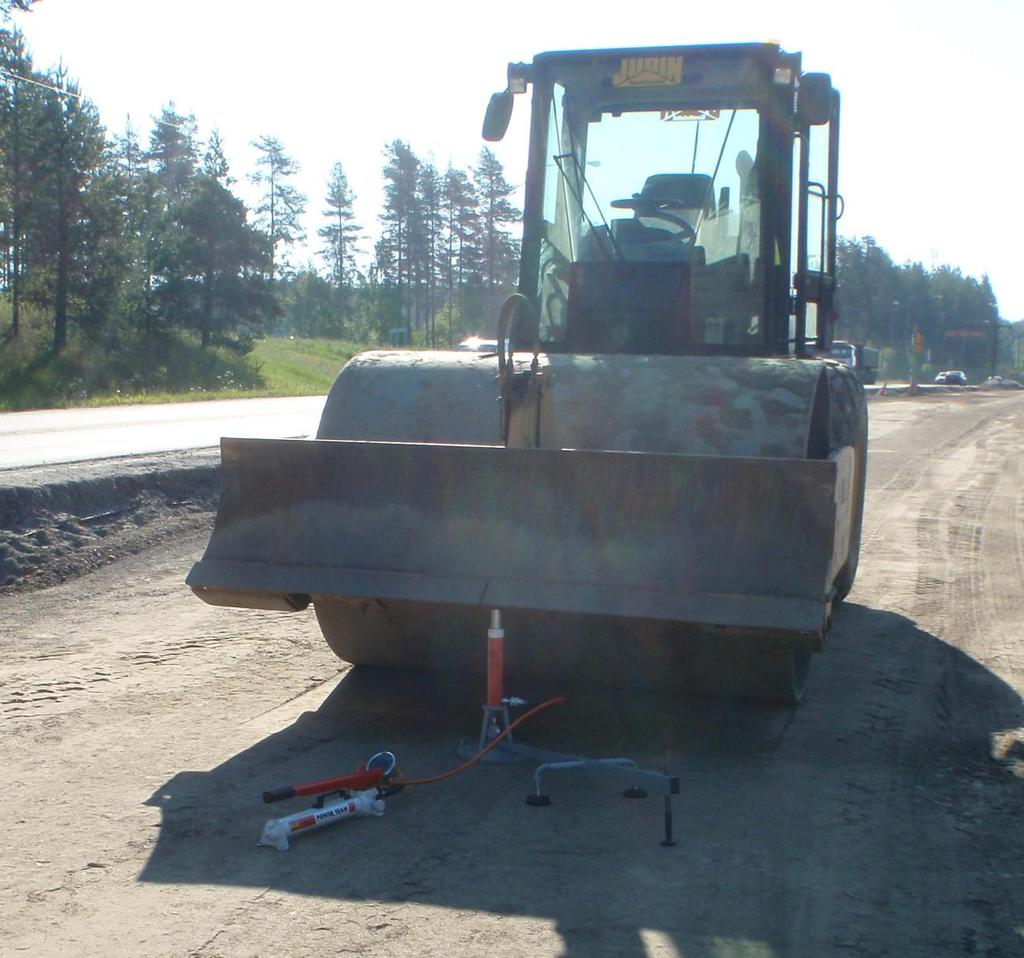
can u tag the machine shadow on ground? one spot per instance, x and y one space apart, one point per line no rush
790 828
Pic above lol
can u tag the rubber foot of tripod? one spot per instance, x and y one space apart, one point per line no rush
667 843
538 800
634 791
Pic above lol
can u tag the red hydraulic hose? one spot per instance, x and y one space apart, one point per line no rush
558 700
374 777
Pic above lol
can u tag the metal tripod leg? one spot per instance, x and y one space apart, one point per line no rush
495 721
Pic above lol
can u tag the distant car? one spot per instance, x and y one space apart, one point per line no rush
952 377
1000 382
477 345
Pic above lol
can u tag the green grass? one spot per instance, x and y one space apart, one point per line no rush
169 367
301 367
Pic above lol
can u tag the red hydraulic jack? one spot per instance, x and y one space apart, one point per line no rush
496 723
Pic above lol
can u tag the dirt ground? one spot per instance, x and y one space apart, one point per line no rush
880 817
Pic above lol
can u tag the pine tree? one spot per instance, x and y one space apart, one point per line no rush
75 151
136 193
20 111
128 153
398 219
340 233
282 205
498 248
215 163
173 161
459 212
108 276
223 264
427 245
173 152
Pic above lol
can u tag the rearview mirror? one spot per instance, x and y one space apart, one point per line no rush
499 112
814 98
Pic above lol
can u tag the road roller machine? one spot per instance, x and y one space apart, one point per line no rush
654 477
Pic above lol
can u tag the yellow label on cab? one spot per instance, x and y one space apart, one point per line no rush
649 71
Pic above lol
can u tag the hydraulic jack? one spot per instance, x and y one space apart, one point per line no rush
496 724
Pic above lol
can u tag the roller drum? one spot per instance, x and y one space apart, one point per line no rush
722 407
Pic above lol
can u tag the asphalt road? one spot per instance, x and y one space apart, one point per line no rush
73 435
881 817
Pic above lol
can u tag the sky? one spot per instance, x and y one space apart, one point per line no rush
930 145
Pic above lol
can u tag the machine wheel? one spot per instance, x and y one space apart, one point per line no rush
848 573
850 427
416 636
772 677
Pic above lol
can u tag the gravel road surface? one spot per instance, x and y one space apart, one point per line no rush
881 817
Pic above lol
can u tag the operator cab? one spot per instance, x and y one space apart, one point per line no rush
661 192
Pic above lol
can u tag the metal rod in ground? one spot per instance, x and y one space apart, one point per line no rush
669 841
666 729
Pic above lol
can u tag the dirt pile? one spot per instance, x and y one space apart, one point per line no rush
58 522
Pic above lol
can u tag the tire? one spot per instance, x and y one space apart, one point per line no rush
849 426
770 676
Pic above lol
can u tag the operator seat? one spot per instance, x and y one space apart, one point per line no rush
687 196
641 243
651 237
685 191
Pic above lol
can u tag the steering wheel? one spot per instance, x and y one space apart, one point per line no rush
660 209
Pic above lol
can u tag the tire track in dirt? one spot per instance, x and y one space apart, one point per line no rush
929 761
58 674
909 473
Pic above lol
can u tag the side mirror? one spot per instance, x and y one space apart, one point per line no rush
496 119
814 98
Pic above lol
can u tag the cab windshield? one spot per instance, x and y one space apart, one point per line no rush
626 189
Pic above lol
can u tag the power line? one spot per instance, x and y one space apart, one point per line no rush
77 96
45 86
